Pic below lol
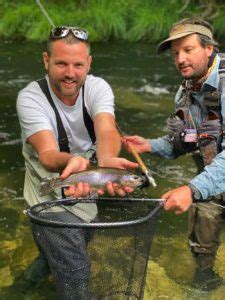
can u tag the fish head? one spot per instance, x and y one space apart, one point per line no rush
134 181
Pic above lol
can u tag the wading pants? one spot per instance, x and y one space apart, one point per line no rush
205 221
65 252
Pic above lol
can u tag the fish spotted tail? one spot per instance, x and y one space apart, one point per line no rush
48 186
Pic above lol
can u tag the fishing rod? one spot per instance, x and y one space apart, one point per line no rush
45 13
139 160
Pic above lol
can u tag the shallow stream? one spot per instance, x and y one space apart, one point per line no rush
144 85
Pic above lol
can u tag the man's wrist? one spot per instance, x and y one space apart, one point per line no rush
149 146
196 194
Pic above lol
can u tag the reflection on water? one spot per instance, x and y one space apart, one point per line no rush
144 86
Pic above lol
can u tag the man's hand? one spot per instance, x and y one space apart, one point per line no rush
137 142
120 163
76 164
115 189
82 189
179 199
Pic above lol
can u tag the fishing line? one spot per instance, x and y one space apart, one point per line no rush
45 13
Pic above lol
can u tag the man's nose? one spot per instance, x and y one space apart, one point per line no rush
180 58
70 71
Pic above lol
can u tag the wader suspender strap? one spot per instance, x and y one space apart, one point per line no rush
222 80
88 121
62 136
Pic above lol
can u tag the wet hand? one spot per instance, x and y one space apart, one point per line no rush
78 191
137 142
81 190
75 164
178 200
115 189
118 162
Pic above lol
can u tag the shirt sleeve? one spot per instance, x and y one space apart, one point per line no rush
99 97
211 181
32 112
162 147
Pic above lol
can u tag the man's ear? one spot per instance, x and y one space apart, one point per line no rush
45 60
209 49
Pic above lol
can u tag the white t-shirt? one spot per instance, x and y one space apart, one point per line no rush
36 114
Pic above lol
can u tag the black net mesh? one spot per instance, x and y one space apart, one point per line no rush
118 272
102 262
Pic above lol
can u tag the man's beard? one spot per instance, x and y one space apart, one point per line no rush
68 92
196 75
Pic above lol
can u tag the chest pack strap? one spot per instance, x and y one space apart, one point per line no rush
62 136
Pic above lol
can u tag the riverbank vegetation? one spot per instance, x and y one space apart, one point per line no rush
130 20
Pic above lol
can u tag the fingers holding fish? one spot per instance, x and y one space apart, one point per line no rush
100 192
128 189
99 179
75 164
110 189
81 189
119 190
115 189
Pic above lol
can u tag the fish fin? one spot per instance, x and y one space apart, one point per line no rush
45 189
46 186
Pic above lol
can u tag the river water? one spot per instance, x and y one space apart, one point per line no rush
144 85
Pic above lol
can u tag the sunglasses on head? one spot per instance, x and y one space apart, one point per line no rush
62 31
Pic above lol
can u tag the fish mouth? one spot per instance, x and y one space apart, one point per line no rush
144 182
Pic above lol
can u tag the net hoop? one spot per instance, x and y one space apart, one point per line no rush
31 213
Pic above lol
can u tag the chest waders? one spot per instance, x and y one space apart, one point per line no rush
203 141
62 136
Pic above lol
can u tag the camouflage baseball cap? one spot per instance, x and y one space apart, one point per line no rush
181 30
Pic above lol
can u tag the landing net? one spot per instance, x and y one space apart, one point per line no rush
117 243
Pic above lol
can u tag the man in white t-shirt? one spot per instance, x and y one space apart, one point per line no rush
76 97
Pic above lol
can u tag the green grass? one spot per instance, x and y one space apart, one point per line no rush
219 24
130 20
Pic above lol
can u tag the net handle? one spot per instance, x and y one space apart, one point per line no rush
37 219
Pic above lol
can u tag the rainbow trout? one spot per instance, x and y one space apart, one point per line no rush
96 178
